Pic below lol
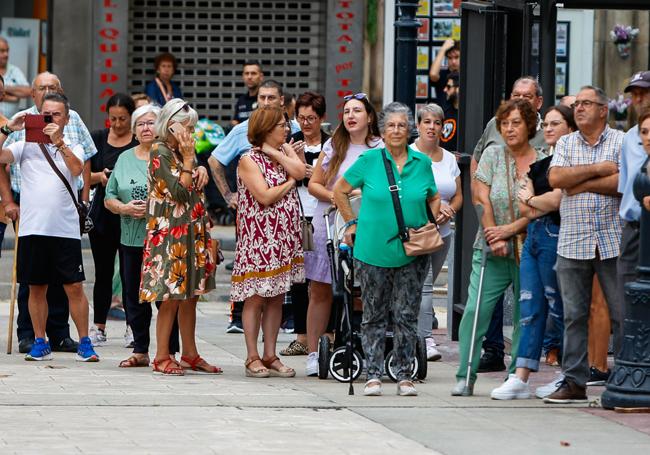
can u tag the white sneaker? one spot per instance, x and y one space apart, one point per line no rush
547 389
97 336
513 389
432 353
128 338
311 369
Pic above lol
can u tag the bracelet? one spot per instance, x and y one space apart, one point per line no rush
528 200
349 223
186 171
6 130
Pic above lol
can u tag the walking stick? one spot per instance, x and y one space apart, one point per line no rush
12 304
484 253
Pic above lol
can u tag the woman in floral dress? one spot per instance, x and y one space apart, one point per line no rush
268 257
178 264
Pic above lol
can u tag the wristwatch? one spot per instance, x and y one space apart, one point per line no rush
6 130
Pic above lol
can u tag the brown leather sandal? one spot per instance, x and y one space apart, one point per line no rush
199 365
135 361
282 371
256 372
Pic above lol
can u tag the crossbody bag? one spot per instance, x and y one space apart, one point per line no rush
85 222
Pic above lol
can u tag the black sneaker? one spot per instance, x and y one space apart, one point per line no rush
491 361
65 345
25 345
597 377
235 327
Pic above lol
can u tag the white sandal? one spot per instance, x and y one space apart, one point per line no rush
372 388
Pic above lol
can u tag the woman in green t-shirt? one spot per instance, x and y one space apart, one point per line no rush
390 280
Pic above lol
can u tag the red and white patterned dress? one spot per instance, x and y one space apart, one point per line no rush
268 256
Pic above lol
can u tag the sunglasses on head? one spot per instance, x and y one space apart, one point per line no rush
356 96
185 108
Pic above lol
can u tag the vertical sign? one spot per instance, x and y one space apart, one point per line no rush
110 31
346 19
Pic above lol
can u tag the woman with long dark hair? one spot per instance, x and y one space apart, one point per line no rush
356 133
111 142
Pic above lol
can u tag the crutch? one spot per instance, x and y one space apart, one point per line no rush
12 303
486 249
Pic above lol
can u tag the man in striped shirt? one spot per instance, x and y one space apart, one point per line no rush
585 166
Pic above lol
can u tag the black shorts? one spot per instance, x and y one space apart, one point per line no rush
49 260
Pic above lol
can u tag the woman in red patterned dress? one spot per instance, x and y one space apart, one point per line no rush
268 256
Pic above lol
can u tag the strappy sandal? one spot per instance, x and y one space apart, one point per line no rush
199 365
171 368
134 362
258 372
280 372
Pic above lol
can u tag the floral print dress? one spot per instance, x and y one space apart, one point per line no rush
177 262
268 256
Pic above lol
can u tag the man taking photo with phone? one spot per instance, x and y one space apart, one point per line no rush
58 328
49 250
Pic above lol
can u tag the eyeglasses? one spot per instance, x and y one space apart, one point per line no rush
553 124
185 108
505 124
396 126
308 120
585 103
527 96
449 86
283 125
148 124
357 96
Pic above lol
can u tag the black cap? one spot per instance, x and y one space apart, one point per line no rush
640 79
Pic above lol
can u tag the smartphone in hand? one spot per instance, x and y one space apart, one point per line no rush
34 125
176 128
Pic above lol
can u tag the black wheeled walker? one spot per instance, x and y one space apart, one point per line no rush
343 357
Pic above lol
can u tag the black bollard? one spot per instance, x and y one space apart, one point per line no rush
406 40
629 384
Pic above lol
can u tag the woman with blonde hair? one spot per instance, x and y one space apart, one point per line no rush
178 263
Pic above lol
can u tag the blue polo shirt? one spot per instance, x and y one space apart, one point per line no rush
377 242
632 158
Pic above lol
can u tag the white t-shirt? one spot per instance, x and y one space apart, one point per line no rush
445 172
309 202
46 207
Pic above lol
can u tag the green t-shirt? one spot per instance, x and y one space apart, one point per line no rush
376 240
128 182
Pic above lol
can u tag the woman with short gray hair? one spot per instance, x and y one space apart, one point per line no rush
178 263
389 279
447 176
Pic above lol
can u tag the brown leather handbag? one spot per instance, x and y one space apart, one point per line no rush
416 242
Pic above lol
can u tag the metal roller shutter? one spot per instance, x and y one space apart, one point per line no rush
212 39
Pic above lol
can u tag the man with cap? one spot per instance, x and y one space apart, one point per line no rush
632 158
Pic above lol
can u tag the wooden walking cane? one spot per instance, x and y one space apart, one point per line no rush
12 304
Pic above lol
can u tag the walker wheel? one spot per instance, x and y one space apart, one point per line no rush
339 368
392 372
324 347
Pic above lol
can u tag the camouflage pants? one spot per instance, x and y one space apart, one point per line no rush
398 290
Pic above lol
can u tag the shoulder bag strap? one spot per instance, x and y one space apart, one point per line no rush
59 174
394 193
515 246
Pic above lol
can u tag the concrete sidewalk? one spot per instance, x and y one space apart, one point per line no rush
67 407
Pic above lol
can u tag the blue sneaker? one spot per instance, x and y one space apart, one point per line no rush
86 353
40 350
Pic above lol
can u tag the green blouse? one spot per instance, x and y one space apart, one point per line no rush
376 240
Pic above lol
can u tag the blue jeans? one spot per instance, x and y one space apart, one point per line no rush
539 295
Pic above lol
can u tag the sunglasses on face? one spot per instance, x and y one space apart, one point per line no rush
357 96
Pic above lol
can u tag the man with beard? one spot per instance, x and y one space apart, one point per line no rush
449 139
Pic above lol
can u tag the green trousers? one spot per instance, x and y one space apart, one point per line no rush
499 274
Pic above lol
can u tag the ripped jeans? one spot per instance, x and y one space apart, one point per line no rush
539 293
